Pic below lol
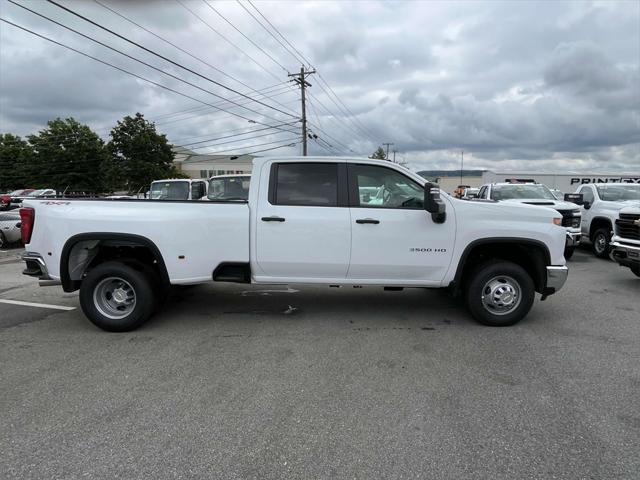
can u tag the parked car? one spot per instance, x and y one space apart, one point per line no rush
305 223
625 243
538 195
178 189
35 194
229 187
601 203
9 228
9 201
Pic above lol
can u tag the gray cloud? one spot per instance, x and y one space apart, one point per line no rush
527 85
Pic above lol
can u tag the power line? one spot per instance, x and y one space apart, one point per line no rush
233 157
178 47
190 144
343 108
236 148
241 33
227 40
270 33
279 33
153 67
114 66
332 138
341 104
206 111
261 93
204 77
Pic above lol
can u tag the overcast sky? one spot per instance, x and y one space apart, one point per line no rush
547 85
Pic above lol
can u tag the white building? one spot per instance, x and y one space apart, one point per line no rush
196 165
565 182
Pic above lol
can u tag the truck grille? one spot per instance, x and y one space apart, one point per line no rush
570 218
626 228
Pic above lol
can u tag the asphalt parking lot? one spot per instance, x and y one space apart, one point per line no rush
231 381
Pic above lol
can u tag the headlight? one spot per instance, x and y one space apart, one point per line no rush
557 221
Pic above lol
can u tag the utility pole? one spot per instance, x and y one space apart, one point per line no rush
299 78
388 144
394 156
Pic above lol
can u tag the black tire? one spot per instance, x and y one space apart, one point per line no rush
636 270
95 306
568 252
478 289
600 242
3 240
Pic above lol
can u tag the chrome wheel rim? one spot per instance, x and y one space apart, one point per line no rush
501 295
114 298
600 243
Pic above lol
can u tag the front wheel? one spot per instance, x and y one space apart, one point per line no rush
636 270
500 294
117 298
600 242
568 252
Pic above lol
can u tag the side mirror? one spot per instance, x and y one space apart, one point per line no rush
433 203
586 205
576 198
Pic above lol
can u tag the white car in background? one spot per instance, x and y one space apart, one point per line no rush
9 228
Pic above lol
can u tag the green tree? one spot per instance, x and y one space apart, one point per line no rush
15 158
67 155
378 154
138 155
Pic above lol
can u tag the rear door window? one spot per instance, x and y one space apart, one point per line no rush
305 184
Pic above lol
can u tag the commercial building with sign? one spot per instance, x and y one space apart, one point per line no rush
565 182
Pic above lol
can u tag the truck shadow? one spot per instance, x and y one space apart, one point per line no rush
370 307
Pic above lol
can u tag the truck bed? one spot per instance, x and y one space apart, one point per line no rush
193 237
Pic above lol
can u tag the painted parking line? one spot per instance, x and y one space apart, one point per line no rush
39 305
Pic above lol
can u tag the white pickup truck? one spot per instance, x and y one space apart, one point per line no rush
540 196
625 243
310 220
601 203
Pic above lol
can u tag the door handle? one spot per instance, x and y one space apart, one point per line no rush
272 218
368 220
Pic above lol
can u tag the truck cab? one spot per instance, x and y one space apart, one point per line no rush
178 189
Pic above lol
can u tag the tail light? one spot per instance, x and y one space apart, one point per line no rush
5 199
27 218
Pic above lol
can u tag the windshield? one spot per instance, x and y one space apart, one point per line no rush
229 188
619 192
170 191
521 191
